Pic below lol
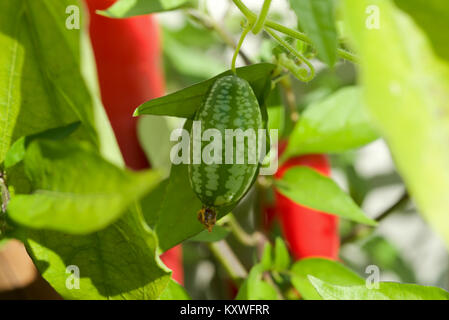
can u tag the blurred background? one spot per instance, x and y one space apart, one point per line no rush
403 246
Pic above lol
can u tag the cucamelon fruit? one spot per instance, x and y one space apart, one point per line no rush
230 109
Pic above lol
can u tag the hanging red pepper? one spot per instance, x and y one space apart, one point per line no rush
128 58
309 233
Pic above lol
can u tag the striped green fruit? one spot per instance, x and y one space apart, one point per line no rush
224 144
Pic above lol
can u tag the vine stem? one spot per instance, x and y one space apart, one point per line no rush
251 16
239 45
211 24
361 229
227 258
262 17
293 51
242 236
4 192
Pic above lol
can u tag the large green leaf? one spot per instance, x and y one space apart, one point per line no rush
43 85
185 102
11 63
324 269
75 189
432 16
316 18
406 88
336 124
118 262
130 8
316 191
386 291
18 150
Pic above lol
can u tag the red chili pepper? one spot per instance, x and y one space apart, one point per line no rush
309 233
128 57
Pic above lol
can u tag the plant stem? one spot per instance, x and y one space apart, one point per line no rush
361 229
239 45
262 16
395 207
211 24
291 99
4 192
246 12
227 258
242 236
293 51
251 16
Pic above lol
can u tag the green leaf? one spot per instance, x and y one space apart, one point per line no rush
218 233
311 189
174 291
17 151
281 255
75 189
174 207
316 17
267 259
324 269
130 8
43 84
118 262
409 99
386 291
185 102
254 288
336 124
432 16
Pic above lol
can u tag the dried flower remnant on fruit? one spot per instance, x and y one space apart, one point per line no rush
208 217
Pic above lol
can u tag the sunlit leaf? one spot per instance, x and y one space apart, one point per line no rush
316 191
386 291
316 17
324 269
336 124
75 189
